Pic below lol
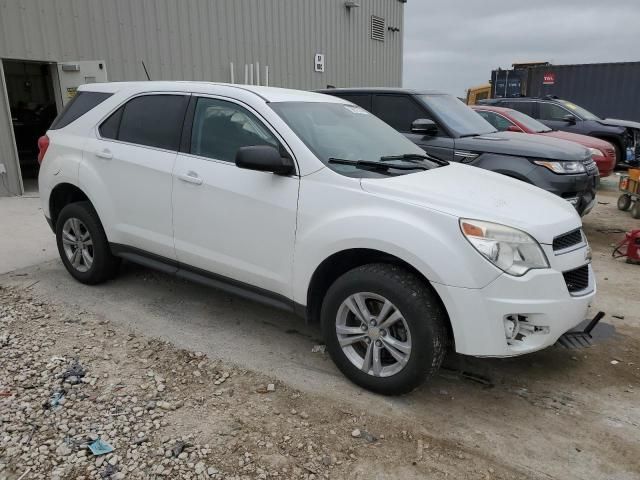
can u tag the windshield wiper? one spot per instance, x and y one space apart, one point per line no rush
413 156
376 165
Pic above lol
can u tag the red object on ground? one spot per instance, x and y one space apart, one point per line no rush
524 123
629 247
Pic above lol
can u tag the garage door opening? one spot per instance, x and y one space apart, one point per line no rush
30 88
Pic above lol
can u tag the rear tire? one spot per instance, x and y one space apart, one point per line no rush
83 245
624 202
404 328
635 210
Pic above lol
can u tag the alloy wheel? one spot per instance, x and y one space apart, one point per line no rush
77 244
373 334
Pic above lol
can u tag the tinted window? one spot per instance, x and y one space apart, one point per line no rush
550 111
363 101
524 107
78 106
500 123
220 128
398 111
153 120
110 127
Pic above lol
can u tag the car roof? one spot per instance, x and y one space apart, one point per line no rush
268 94
406 91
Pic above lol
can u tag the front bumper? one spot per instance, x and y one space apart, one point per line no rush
540 300
579 190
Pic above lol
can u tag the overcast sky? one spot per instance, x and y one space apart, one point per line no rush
455 44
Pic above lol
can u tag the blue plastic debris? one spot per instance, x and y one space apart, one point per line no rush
55 399
100 447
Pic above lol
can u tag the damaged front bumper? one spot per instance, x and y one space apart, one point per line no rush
517 315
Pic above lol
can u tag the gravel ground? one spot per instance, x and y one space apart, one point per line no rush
69 379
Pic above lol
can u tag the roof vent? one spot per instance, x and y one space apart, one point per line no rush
377 28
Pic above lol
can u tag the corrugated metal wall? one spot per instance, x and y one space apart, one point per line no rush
610 90
197 39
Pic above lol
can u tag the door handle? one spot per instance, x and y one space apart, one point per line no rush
190 177
106 154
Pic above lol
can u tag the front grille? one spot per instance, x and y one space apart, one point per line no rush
577 279
591 167
567 240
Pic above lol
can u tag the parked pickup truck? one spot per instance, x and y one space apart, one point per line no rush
309 203
448 129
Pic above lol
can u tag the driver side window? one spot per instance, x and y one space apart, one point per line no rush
220 128
550 111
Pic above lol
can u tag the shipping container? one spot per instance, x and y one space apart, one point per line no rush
610 90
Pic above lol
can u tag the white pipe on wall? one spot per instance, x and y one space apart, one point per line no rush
266 75
246 74
257 73
251 74
233 80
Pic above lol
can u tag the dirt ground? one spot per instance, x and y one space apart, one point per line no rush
185 382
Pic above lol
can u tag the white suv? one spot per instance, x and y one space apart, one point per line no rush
309 203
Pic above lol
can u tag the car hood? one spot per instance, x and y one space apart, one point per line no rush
612 122
585 140
471 192
525 145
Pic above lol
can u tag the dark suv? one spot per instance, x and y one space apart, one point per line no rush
446 128
559 114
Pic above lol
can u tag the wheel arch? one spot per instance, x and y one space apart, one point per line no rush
62 195
337 264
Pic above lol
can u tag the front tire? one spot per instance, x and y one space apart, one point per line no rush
384 328
83 245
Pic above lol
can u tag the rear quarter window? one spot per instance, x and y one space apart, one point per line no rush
78 106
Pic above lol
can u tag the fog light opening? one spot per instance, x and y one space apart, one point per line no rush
511 328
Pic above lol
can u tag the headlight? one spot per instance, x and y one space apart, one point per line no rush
562 167
596 152
509 249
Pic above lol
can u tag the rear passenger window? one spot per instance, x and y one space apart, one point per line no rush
151 120
78 106
110 127
398 111
220 128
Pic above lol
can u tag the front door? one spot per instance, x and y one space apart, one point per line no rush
400 111
231 222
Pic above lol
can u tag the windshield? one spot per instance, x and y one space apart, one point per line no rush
346 132
456 116
530 123
579 111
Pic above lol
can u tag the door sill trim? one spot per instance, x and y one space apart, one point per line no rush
197 275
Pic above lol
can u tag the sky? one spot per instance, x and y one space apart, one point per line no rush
453 45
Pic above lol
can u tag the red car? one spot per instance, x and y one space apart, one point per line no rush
507 119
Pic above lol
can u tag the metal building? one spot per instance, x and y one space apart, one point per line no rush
49 47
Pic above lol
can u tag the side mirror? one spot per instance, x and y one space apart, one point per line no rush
424 126
264 158
514 128
570 119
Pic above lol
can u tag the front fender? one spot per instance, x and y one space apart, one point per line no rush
350 218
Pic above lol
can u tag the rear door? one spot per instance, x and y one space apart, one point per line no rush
131 163
400 111
231 222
